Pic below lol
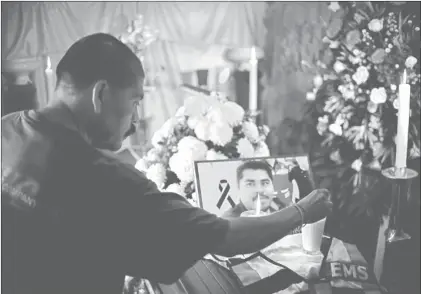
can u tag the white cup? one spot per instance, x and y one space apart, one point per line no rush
312 235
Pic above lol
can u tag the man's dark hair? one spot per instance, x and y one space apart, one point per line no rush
254 165
99 57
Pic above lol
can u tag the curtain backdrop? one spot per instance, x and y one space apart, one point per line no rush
192 35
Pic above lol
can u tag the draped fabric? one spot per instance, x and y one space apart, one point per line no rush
192 36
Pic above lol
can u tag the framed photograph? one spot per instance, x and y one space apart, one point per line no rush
231 187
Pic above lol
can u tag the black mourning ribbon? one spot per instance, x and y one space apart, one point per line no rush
224 188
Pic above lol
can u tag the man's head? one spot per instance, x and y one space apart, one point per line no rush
255 177
102 80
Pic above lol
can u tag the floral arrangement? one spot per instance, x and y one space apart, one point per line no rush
206 127
354 101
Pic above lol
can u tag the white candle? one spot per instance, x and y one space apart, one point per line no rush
49 75
253 81
403 123
258 205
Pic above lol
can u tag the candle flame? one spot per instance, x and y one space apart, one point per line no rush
404 77
258 205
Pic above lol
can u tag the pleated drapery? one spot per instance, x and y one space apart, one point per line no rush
192 36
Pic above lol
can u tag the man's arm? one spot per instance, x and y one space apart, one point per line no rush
250 234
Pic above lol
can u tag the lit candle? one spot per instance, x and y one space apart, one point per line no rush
253 81
49 75
403 123
258 205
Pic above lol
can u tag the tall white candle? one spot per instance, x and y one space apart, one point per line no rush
253 81
403 123
258 204
49 76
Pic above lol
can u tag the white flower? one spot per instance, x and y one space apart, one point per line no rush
361 76
372 107
396 103
191 145
153 155
376 25
378 95
245 148
334 44
196 105
310 96
357 164
262 150
182 166
202 129
220 133
336 129
193 120
354 60
176 188
339 66
318 81
158 174
347 91
251 131
215 155
232 112
141 165
410 62
393 87
334 6
215 114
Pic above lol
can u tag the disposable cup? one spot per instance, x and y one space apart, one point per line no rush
312 235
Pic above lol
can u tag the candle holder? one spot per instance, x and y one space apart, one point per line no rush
401 188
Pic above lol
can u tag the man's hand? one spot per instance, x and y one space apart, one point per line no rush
316 205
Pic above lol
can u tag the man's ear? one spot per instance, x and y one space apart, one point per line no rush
98 92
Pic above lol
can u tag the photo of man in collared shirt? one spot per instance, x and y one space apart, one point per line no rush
255 180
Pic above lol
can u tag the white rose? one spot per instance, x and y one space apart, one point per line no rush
158 174
220 133
393 87
233 113
335 129
378 95
202 129
196 105
215 155
262 150
141 165
357 164
251 131
396 103
176 188
339 66
334 6
182 166
376 25
215 114
318 81
191 145
361 76
410 62
245 148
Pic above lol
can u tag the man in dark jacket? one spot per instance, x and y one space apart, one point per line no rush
75 220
